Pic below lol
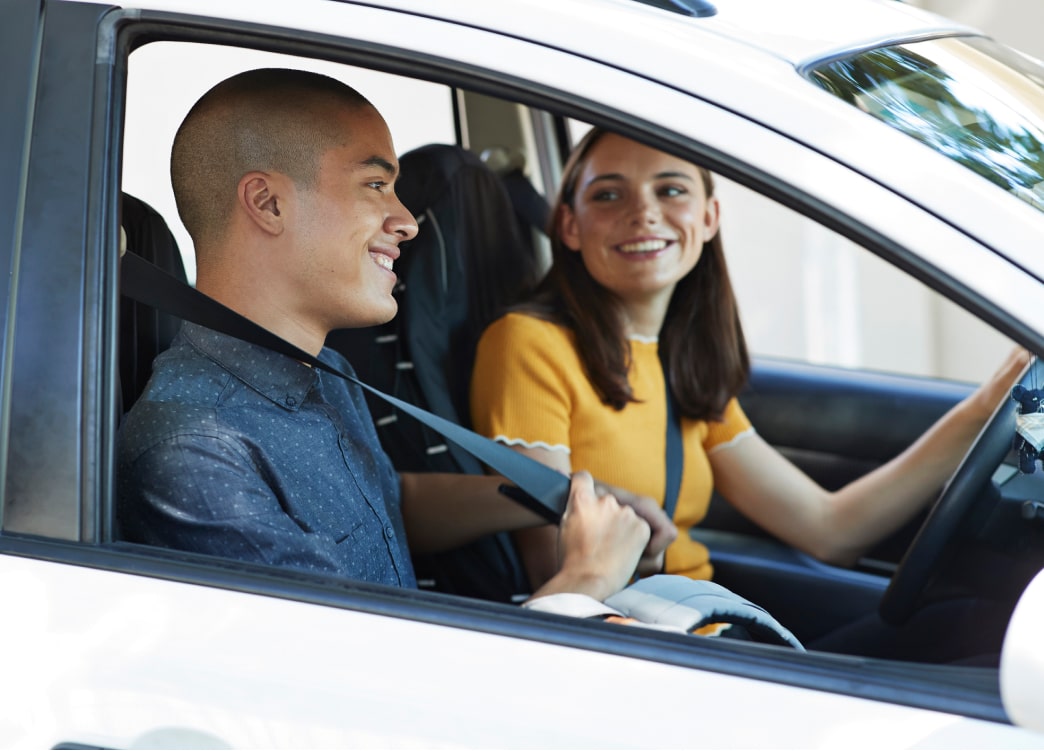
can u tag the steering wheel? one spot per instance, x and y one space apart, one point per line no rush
965 492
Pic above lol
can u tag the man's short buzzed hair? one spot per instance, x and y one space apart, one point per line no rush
271 119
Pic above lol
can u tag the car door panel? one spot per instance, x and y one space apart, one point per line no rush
182 653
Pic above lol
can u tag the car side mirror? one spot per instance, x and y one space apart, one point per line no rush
1022 660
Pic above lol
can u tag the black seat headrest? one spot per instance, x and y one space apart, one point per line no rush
145 332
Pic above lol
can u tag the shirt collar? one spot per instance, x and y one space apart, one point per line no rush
279 378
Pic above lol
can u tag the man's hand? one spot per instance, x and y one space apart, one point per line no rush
663 530
600 540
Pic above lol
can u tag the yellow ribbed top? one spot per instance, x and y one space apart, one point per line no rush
529 388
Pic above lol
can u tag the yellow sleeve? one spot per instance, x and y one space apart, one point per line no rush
733 425
520 391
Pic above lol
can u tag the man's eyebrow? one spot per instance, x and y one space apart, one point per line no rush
380 161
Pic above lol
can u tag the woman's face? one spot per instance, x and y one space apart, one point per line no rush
639 219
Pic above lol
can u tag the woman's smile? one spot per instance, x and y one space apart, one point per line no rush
643 246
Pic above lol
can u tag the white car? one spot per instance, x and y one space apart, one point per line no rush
874 158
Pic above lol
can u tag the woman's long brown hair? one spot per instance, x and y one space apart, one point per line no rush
701 340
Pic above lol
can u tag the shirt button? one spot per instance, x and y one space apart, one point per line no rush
291 402
389 532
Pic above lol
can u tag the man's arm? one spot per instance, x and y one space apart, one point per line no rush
600 540
443 511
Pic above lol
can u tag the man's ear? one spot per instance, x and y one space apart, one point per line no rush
261 198
568 228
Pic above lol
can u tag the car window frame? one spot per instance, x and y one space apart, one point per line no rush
20 35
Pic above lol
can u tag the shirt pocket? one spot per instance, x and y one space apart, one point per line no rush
334 522
347 532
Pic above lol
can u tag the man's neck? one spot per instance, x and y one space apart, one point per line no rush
266 311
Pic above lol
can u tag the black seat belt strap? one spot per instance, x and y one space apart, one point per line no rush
675 455
545 490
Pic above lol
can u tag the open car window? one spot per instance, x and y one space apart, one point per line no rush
807 294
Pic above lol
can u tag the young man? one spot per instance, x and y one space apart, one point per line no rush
284 179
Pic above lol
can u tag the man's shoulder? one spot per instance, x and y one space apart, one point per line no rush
154 423
181 399
184 378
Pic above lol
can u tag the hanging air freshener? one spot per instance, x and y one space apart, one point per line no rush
1029 427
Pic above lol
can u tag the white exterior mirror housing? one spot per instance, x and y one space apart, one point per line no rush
1022 660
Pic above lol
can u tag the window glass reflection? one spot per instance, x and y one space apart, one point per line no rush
977 102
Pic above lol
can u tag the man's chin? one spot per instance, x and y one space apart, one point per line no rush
372 317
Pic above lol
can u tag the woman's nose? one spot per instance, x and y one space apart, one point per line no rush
646 209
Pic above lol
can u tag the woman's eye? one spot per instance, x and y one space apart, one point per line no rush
605 195
672 191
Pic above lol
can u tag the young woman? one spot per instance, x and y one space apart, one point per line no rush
573 378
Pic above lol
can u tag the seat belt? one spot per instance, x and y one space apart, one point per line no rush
675 453
539 488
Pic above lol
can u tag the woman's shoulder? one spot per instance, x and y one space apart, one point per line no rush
529 325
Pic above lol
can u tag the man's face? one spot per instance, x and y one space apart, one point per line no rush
348 226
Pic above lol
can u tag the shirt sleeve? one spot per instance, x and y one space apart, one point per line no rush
202 492
733 427
520 391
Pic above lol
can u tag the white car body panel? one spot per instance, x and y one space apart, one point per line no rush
128 661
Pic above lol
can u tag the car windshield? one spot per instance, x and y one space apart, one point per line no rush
976 101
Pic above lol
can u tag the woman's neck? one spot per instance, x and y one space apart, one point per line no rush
645 319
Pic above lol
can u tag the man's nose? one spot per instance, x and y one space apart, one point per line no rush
401 222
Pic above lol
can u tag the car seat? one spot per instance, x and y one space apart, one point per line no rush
144 331
468 261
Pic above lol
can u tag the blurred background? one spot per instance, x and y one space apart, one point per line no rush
1017 23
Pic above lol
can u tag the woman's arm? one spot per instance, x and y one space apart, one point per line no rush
538 546
838 527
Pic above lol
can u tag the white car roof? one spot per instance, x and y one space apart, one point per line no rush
797 31
810 30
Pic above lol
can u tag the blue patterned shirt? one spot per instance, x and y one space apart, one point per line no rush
237 451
